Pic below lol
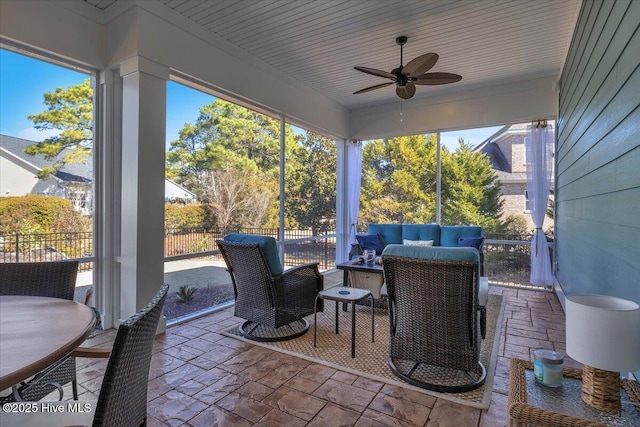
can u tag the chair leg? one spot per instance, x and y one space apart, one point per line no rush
483 322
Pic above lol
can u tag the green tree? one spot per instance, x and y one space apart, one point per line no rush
470 189
230 159
399 183
399 180
311 183
69 111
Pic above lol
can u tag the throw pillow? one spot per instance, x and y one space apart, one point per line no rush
472 242
417 242
370 241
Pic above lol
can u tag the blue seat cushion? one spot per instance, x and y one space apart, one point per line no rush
267 244
370 241
433 252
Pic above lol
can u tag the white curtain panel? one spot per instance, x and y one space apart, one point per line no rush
354 173
539 152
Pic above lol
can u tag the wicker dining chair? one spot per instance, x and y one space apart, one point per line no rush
274 302
434 316
122 400
55 279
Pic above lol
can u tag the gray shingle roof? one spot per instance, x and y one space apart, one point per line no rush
71 172
498 161
497 158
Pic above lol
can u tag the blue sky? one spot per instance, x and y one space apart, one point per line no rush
23 82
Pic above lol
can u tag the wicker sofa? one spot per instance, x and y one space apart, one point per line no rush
439 235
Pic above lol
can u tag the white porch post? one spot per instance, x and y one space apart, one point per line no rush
143 164
342 222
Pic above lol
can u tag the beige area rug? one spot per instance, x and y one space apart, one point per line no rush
371 358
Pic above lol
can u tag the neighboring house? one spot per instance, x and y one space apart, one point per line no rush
174 192
19 175
506 152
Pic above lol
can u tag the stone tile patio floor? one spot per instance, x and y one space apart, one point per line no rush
199 377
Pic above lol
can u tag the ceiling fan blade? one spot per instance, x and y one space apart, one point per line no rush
420 65
407 91
375 72
437 79
367 89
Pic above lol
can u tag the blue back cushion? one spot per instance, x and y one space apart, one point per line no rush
370 241
451 234
267 244
422 232
389 233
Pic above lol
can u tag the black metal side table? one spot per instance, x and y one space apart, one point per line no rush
345 295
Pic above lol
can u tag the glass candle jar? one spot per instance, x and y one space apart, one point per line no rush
547 367
369 255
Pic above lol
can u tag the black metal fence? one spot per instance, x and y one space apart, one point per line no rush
300 246
507 257
45 246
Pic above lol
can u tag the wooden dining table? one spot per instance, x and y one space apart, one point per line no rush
38 331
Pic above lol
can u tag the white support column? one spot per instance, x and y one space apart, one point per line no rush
342 223
143 163
283 194
106 150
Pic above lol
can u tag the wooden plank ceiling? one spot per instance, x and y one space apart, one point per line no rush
318 42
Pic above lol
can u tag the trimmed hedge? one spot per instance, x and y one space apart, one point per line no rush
39 214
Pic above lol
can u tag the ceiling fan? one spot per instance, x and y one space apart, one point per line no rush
414 73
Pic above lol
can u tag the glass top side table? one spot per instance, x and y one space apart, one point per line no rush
345 295
532 404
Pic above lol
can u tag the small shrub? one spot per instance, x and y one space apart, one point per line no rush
517 225
178 217
185 294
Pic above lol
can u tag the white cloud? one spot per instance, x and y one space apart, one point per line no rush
33 134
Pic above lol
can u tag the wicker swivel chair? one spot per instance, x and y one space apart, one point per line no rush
54 279
274 302
434 316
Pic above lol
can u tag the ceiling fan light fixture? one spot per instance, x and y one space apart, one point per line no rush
407 76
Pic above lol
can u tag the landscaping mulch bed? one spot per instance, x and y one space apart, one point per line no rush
204 297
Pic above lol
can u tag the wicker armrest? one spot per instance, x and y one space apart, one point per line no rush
293 270
305 281
92 352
